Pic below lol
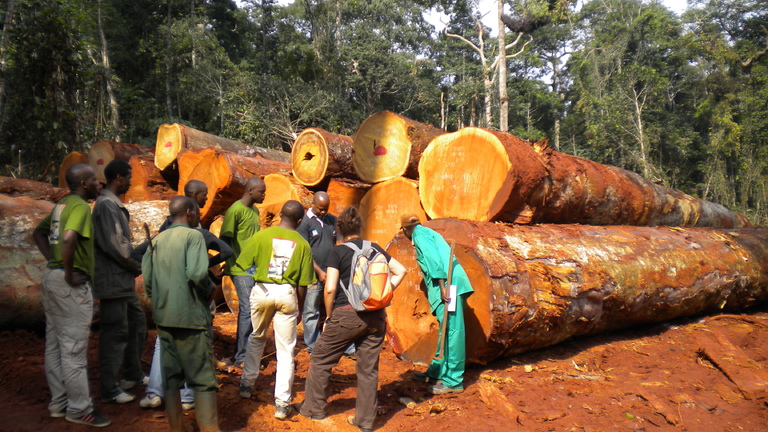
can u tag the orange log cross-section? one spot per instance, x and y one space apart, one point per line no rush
318 154
388 145
483 175
383 205
536 286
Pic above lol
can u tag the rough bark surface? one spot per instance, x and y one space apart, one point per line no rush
147 182
70 159
522 182
104 152
384 204
14 187
173 138
344 193
318 154
388 145
225 174
536 286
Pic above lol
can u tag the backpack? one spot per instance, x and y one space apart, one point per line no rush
369 286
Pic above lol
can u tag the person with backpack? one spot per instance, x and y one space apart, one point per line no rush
355 314
433 254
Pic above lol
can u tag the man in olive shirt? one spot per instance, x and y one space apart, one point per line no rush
241 222
65 238
175 270
283 262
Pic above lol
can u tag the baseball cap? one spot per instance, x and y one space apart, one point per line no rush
408 220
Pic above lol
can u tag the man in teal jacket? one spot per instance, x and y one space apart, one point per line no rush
432 254
176 279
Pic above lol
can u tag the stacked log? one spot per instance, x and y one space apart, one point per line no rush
318 154
70 159
383 205
147 182
388 145
483 175
535 286
104 152
173 138
14 187
225 174
344 193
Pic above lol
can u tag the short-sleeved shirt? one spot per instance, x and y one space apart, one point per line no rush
340 258
71 213
321 235
278 255
240 224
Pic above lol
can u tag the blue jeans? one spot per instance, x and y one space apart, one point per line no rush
243 286
155 385
310 314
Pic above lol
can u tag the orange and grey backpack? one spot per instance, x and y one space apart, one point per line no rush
369 285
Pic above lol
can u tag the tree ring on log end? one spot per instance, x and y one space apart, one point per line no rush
166 154
309 157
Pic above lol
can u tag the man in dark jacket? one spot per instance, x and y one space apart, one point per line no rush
123 325
176 279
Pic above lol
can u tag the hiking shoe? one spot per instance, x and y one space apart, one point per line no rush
245 392
423 377
298 407
93 418
151 401
122 398
282 411
128 384
440 389
60 414
351 422
187 406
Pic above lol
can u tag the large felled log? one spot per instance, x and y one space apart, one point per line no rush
21 264
70 159
14 187
536 286
344 193
147 182
225 174
483 175
388 145
383 205
317 154
172 138
104 152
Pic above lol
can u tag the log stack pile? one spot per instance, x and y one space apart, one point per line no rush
616 250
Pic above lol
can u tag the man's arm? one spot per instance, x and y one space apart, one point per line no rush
214 243
68 246
41 240
146 271
110 238
197 265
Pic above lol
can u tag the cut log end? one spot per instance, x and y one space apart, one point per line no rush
309 158
384 204
169 143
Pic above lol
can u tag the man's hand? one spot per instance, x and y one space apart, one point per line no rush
75 279
445 295
321 276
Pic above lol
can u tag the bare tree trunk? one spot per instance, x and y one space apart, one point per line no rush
168 101
4 53
502 60
113 105
192 33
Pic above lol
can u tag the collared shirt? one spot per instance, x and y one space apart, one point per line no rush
320 234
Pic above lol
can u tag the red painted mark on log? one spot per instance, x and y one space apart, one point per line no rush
379 151
169 144
100 162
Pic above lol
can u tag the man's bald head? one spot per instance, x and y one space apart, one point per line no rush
320 204
198 191
321 198
78 173
180 205
255 190
291 212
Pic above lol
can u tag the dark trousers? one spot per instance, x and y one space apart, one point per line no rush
122 333
185 356
366 330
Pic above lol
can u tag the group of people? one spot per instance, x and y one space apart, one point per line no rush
299 269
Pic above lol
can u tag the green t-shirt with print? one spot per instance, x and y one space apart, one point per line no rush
278 255
240 224
70 213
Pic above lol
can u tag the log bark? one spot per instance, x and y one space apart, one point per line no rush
318 154
70 159
172 138
388 145
384 204
523 182
344 193
147 182
225 174
14 187
104 152
536 286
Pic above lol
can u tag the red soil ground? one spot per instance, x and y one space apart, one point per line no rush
701 375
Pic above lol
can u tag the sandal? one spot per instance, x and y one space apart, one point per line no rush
351 422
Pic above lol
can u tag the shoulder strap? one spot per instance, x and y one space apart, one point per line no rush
353 246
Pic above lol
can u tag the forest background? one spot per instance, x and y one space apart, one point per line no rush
681 99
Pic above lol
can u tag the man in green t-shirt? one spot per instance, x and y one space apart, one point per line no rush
65 238
241 222
283 268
